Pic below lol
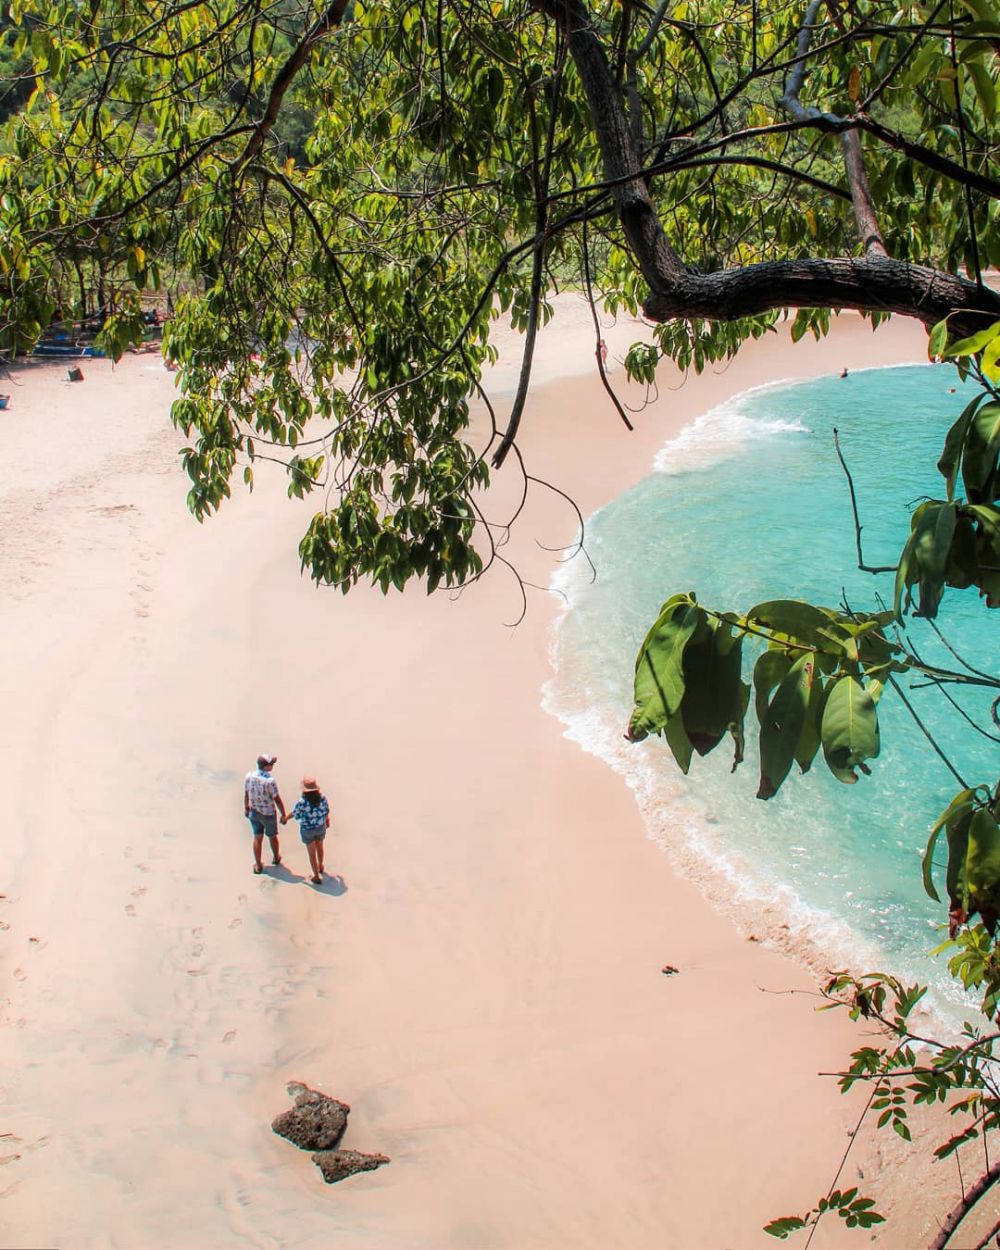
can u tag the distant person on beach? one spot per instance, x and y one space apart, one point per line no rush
602 352
843 372
312 811
261 803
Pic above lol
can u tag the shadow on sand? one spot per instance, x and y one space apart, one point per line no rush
332 883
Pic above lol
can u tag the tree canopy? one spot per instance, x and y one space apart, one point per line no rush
342 196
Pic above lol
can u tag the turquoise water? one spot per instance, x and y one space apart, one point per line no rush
750 504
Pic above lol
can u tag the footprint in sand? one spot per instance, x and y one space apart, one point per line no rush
229 1035
143 867
128 852
241 898
138 892
129 909
235 923
4 925
20 974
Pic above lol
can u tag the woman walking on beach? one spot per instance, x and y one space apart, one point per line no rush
312 811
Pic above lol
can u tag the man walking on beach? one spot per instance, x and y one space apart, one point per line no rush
261 802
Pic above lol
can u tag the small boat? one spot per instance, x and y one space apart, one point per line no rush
64 351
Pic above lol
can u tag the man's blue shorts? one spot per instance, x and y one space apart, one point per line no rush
261 824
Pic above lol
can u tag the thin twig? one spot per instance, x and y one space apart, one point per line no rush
597 330
865 568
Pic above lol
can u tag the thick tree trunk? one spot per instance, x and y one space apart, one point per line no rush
870 284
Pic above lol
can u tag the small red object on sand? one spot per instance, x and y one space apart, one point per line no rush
75 373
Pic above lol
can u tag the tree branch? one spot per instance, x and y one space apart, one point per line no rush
541 242
989 1239
599 342
868 284
850 142
655 257
962 1208
873 283
865 568
331 17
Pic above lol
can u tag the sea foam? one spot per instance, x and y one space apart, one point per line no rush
827 873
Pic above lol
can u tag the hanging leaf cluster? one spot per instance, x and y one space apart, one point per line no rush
972 877
950 544
816 685
955 541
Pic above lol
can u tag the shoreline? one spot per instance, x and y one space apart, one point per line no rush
481 981
680 817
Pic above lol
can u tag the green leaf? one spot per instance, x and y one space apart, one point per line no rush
979 459
983 11
986 91
801 623
768 672
659 678
958 807
787 1224
937 341
982 30
678 742
987 550
904 577
924 559
983 866
782 724
954 441
988 361
811 736
975 342
958 849
849 729
713 701
494 85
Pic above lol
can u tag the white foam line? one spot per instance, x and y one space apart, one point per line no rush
769 910
693 436
764 910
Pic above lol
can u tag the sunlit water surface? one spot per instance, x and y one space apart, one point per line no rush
749 504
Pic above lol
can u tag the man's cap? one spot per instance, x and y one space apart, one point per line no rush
266 761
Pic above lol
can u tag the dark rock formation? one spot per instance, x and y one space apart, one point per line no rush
337 1164
316 1122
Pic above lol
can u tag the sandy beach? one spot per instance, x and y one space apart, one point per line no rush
480 979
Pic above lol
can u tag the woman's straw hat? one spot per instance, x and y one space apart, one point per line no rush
309 783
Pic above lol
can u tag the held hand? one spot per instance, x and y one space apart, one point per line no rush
284 820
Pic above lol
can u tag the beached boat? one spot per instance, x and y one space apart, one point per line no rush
64 351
